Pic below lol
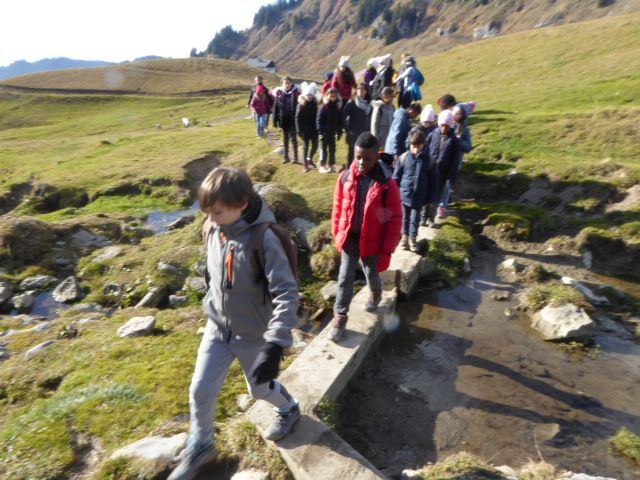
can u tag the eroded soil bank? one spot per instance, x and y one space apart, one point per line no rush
459 375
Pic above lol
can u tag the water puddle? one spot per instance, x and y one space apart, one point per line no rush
462 376
45 306
159 222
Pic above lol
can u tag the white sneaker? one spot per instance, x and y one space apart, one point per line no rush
323 169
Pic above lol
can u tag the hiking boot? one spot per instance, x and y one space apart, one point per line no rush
192 458
404 242
286 160
372 302
283 424
337 327
413 244
442 212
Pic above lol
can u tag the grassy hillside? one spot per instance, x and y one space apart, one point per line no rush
179 76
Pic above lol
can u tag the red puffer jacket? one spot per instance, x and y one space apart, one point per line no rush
382 223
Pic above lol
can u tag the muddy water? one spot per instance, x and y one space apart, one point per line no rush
159 222
461 376
45 306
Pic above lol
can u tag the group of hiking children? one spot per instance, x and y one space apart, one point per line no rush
395 175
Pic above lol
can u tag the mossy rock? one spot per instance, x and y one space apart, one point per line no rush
285 204
320 236
326 263
536 298
510 226
615 251
24 240
262 171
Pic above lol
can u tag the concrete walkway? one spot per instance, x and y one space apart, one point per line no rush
313 451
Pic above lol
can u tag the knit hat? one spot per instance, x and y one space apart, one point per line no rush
385 60
428 114
328 76
467 107
260 89
446 118
373 62
410 61
308 88
344 61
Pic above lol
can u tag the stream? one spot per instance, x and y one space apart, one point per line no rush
461 376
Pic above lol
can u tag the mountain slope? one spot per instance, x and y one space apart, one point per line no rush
22 67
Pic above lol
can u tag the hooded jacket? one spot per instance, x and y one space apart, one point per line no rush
417 177
400 128
306 116
329 121
357 118
446 154
382 222
284 112
345 88
261 106
381 120
235 301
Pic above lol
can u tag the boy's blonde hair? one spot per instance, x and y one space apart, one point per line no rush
230 186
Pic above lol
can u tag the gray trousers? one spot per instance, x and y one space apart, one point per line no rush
212 365
348 264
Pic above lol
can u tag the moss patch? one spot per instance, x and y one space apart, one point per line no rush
627 443
461 466
452 245
554 295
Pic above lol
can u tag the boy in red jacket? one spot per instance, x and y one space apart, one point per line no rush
366 225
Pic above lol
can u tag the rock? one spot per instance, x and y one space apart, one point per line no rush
4 352
501 296
581 476
301 227
508 472
251 475
32 352
329 290
42 327
199 267
178 300
6 290
196 283
181 222
69 331
37 282
167 268
154 448
563 323
24 240
491 29
86 308
107 254
136 232
113 289
411 475
28 320
509 313
587 259
63 261
586 291
299 338
68 290
467 265
86 320
24 302
153 298
630 203
86 239
284 203
138 327
511 264
244 401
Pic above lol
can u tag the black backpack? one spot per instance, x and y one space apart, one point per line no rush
377 85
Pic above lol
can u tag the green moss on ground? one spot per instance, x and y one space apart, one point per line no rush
449 249
627 443
540 296
461 466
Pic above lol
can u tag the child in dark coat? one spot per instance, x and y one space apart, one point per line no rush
357 119
306 116
329 125
284 116
417 177
444 148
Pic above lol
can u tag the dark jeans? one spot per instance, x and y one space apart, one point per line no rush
290 135
348 262
328 147
309 147
410 221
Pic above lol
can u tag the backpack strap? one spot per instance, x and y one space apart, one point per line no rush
207 228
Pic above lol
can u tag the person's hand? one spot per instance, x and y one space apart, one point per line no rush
267 364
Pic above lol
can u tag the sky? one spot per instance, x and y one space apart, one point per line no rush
115 30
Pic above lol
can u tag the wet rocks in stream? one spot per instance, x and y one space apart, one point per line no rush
24 302
37 282
564 322
68 290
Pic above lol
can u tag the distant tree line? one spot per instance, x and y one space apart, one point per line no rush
268 15
224 44
368 11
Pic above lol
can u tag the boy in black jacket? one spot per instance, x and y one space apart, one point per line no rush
306 115
284 116
357 119
329 125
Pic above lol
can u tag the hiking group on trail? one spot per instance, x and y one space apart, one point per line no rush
395 175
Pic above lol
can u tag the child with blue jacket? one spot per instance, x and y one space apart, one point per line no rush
417 177
249 317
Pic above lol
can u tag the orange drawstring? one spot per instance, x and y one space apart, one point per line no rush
232 249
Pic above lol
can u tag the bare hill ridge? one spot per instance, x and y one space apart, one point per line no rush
308 37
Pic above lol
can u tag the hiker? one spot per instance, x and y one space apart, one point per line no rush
444 150
284 116
357 119
370 75
403 57
462 133
447 102
408 83
329 124
417 177
306 115
366 222
426 125
327 82
261 108
383 77
382 115
248 319
344 80
257 81
400 128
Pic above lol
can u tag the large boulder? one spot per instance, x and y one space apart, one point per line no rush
68 290
285 204
251 475
302 228
612 252
107 254
154 448
37 282
138 327
564 322
24 302
195 283
24 240
6 290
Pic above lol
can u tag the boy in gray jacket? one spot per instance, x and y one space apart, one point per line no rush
382 116
250 316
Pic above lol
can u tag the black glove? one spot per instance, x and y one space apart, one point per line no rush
267 364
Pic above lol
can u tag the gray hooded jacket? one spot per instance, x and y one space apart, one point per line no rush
236 301
381 120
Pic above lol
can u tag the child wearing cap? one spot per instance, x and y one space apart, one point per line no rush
357 119
306 115
444 149
344 79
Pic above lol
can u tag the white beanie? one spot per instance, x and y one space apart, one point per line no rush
308 88
428 114
385 59
344 61
446 118
374 62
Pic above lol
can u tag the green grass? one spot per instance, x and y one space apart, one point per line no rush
627 443
555 295
449 249
461 466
